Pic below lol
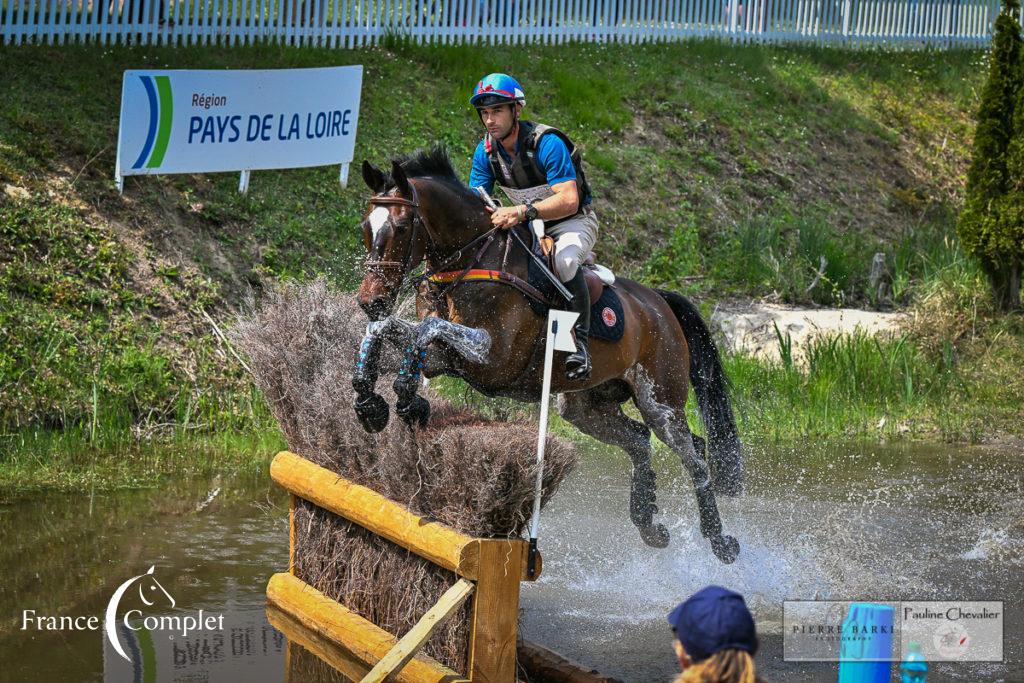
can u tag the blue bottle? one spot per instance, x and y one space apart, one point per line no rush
913 668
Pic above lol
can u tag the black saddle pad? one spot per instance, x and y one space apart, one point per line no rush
606 319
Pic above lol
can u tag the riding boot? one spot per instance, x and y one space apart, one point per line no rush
577 365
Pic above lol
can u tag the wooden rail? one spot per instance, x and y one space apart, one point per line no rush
328 619
494 566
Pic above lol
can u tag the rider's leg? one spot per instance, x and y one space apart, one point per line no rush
574 238
577 364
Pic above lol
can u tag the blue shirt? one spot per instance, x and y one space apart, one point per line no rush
552 157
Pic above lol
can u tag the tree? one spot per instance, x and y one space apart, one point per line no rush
991 225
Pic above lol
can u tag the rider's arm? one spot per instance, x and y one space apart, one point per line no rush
553 156
565 202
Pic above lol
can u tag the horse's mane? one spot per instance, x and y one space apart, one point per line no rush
434 163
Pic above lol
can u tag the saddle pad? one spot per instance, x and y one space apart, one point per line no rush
606 316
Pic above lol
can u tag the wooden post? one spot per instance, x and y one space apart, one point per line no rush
492 656
291 534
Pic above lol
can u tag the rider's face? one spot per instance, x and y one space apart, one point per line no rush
498 119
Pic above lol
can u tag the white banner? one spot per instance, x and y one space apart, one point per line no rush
208 121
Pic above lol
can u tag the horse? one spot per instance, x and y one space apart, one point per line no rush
475 292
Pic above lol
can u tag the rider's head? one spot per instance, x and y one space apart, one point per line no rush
498 99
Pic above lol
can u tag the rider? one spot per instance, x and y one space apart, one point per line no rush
541 172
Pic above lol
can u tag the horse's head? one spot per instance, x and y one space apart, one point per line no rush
149 586
394 234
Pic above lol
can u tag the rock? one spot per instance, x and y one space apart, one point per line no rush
17 193
752 330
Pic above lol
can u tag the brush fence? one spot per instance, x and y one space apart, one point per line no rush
489 573
356 23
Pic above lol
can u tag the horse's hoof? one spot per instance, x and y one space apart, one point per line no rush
655 535
373 413
415 412
726 549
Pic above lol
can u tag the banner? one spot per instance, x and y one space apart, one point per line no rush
209 121
846 631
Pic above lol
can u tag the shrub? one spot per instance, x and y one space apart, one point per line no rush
991 226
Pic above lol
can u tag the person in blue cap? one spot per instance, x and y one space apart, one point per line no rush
715 638
540 170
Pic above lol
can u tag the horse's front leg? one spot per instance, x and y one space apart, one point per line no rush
370 407
470 343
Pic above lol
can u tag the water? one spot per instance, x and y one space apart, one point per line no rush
870 522
214 544
837 522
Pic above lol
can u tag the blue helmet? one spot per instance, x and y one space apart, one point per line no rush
497 89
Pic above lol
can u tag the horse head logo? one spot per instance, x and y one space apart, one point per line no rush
149 590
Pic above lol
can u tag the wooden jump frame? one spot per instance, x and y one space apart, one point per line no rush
489 569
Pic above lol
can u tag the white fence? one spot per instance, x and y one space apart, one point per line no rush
354 23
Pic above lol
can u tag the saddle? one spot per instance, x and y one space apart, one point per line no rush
596 276
606 313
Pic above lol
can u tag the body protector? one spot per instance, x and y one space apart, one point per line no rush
524 181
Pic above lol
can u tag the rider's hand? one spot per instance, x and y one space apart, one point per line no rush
507 217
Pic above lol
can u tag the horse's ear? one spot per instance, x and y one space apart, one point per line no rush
373 177
401 179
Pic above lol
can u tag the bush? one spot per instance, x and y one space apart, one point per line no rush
991 226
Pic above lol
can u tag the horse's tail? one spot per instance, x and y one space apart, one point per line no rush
712 388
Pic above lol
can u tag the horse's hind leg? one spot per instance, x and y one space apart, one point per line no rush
655 401
597 413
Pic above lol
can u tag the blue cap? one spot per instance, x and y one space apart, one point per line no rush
711 620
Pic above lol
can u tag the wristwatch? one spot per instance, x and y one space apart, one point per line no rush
531 212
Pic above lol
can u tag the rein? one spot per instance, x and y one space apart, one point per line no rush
436 274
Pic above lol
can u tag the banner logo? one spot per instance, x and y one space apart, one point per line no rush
161 116
148 586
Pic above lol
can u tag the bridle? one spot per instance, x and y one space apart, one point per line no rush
431 248
417 221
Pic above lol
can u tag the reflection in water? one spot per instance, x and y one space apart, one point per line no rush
826 521
214 545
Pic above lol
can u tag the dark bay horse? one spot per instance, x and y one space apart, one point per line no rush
483 331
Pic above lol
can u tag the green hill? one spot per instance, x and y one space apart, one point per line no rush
722 171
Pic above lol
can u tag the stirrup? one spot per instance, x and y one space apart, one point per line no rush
578 365
582 373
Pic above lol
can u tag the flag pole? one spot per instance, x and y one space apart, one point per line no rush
559 324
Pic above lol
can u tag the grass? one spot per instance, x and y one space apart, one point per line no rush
71 460
732 174
852 385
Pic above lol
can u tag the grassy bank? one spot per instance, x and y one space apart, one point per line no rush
730 175
69 460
